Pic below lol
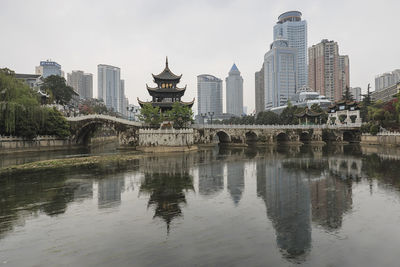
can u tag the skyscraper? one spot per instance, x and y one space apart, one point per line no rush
81 82
292 28
387 79
109 86
209 94
48 68
328 72
260 90
280 74
234 92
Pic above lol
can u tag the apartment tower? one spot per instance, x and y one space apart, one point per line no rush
328 72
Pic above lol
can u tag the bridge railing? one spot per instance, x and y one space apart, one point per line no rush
289 126
104 117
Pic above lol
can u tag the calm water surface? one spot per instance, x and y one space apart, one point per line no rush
311 206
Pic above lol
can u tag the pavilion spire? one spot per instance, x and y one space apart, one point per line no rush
166 62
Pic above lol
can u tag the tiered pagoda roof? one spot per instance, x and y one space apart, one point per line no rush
308 113
166 93
167 74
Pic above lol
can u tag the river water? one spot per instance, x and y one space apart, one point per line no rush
274 206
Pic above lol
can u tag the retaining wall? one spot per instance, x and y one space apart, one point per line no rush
389 140
40 143
166 137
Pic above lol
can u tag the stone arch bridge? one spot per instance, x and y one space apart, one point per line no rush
245 134
83 127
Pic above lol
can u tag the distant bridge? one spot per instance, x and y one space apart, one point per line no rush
244 134
127 131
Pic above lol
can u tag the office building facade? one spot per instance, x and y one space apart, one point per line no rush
81 82
387 79
48 68
291 27
209 94
259 90
356 92
234 92
280 74
109 86
328 72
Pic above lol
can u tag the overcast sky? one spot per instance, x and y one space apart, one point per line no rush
199 37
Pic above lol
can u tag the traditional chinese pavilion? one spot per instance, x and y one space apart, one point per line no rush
166 93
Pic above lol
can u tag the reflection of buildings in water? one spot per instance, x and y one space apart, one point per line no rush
167 193
235 180
24 196
287 199
330 199
109 191
83 190
211 178
345 167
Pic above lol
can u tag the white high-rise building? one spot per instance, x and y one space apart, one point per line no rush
109 86
234 92
209 94
280 74
292 28
387 79
356 92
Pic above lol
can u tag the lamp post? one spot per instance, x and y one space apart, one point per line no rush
203 115
211 115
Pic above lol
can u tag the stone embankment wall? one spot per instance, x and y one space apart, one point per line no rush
388 140
103 139
167 137
40 143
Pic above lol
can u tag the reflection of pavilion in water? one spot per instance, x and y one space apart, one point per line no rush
287 199
110 190
167 193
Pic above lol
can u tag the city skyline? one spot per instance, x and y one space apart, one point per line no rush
136 43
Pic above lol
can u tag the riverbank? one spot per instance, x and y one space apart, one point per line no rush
105 162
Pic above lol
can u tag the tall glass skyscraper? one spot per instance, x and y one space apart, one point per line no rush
292 28
109 86
209 94
234 92
279 74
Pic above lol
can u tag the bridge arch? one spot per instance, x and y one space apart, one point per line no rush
87 130
282 137
305 137
223 137
350 136
251 137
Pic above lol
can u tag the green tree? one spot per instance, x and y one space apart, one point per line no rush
60 92
267 118
288 114
348 96
317 109
150 115
20 111
180 114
